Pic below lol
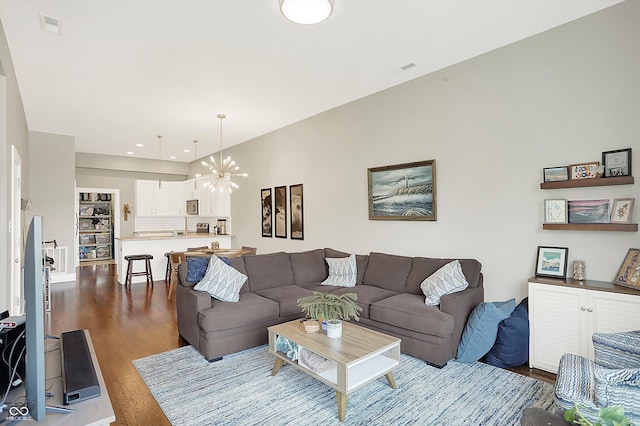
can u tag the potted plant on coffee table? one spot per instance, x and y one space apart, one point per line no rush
331 308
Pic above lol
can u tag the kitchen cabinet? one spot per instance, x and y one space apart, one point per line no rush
564 314
152 200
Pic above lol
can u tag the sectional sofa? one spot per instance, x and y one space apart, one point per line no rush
388 289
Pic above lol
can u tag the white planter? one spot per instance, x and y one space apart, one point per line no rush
334 329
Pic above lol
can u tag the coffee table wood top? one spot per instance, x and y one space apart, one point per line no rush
356 342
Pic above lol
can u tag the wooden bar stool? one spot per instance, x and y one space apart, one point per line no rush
147 268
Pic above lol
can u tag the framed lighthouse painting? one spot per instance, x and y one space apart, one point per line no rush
403 191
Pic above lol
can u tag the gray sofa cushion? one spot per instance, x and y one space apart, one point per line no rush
366 295
268 270
250 309
238 263
408 311
287 298
308 267
387 271
423 267
361 261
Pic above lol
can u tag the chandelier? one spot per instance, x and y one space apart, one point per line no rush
223 172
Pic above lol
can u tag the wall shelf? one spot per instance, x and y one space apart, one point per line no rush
583 183
622 227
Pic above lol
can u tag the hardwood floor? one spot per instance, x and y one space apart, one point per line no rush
127 324
124 325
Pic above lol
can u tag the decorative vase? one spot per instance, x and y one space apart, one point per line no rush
334 329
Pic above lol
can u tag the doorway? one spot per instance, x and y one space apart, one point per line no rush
97 224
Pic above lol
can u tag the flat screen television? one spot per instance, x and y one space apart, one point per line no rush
35 324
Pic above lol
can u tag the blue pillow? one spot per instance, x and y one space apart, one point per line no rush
225 260
481 329
197 268
512 344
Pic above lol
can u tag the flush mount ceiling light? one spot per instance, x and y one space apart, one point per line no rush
221 174
306 12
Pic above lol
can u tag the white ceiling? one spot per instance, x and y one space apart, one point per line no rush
124 71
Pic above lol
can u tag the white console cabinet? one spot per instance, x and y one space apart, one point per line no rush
564 314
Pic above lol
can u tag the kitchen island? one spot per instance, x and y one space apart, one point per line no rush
157 244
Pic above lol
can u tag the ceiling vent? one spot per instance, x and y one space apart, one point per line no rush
50 24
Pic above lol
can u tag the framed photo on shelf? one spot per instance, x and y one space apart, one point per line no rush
552 262
192 206
617 163
403 191
555 174
281 211
588 211
584 170
297 212
629 273
555 211
267 209
621 210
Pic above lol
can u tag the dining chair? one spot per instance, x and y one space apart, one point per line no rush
175 258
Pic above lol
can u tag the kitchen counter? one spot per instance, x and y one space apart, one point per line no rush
157 243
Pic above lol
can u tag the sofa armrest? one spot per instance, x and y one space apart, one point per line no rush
617 387
460 305
189 303
617 350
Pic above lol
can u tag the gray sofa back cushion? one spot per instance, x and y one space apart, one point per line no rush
387 271
268 270
238 263
423 267
361 261
308 267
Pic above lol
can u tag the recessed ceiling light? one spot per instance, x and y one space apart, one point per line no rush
50 24
173 157
129 152
306 12
139 144
187 150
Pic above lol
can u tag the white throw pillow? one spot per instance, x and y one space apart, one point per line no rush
342 271
222 281
446 280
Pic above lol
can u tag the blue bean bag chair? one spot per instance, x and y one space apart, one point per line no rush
511 348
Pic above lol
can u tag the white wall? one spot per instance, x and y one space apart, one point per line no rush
51 187
13 131
492 124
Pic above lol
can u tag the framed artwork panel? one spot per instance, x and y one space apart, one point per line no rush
555 174
552 262
629 273
297 212
617 163
267 212
588 211
555 211
621 210
280 211
403 191
192 207
584 170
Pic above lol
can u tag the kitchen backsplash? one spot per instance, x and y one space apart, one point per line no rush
174 223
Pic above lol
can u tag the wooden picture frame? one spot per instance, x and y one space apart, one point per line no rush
267 212
584 170
296 204
588 211
555 211
622 210
192 207
552 262
555 174
403 191
280 211
629 273
617 163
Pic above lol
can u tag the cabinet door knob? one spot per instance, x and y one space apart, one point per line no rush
589 310
582 308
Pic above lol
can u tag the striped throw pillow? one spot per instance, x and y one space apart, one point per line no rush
222 281
446 280
342 271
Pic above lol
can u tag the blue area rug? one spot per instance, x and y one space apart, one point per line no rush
239 390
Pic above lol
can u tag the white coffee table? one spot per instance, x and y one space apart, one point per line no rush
361 356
